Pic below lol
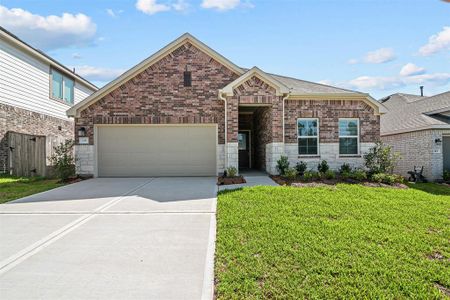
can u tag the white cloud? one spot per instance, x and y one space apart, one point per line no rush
98 74
49 32
151 7
111 12
76 56
370 83
437 42
380 56
411 69
352 61
180 5
221 5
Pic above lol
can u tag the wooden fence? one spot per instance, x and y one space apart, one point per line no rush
27 155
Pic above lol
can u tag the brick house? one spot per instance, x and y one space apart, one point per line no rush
418 128
187 110
35 92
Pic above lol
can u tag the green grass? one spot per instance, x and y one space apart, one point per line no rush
12 188
328 243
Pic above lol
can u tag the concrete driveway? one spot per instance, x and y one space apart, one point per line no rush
111 238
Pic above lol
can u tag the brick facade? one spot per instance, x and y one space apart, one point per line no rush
418 148
23 121
329 112
158 96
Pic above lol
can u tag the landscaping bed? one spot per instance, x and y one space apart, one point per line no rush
222 180
345 242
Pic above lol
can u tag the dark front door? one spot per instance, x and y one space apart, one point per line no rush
446 152
244 149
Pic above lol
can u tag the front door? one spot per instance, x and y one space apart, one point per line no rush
244 149
446 152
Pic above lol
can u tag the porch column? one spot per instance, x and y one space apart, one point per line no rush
231 143
275 149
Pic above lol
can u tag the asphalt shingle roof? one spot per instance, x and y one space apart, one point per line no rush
411 112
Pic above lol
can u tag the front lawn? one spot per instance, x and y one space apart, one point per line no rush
347 241
13 188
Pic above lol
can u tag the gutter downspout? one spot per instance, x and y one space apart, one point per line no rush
283 99
225 130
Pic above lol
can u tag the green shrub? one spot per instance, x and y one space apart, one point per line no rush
290 173
358 174
329 174
381 159
310 175
446 175
301 167
282 165
231 171
63 160
387 178
345 175
323 167
345 168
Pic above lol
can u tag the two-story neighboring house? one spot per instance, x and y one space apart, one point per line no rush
35 92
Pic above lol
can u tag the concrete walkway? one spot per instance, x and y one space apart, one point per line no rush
253 178
129 238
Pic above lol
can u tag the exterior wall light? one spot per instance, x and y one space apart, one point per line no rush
82 131
438 141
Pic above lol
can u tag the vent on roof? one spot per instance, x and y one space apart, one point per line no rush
421 90
187 77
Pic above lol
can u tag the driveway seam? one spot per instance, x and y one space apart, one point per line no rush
19 257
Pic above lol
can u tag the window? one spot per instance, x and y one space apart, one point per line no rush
242 141
348 136
62 87
187 78
308 136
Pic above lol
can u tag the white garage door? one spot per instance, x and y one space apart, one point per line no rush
156 150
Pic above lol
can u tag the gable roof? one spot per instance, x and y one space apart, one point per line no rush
13 39
408 113
284 85
185 38
255 71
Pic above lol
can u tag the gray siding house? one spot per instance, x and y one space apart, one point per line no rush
35 92
419 129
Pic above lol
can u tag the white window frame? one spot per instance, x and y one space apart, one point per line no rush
307 136
349 136
64 78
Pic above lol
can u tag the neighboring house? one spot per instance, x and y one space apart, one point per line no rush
35 92
419 129
187 110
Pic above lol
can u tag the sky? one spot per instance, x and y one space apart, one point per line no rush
378 47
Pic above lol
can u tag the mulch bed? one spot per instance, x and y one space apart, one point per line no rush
230 180
332 182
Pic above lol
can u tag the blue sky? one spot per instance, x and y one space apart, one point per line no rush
380 47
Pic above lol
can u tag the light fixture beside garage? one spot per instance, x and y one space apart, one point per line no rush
82 138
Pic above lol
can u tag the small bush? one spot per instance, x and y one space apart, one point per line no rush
359 175
231 171
329 174
345 175
301 167
345 168
446 175
63 160
282 165
310 175
381 159
387 178
323 167
290 173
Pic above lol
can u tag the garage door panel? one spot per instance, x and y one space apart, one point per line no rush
156 150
